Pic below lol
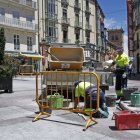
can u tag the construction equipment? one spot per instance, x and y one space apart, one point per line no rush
73 59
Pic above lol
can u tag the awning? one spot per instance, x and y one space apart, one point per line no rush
34 56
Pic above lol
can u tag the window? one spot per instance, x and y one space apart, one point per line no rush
51 31
76 19
2 11
87 20
51 9
112 38
88 39
87 3
64 14
16 42
50 22
116 37
76 2
29 43
16 14
65 36
29 19
77 37
51 6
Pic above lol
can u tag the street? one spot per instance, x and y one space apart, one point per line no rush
18 109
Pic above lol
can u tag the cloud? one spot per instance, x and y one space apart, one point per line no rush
110 23
126 43
113 23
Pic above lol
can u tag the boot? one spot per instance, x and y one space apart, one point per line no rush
121 98
118 97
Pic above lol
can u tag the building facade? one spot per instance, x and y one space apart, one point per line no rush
17 17
136 34
100 34
73 22
67 21
116 36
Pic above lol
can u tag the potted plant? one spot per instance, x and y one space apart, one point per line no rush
8 66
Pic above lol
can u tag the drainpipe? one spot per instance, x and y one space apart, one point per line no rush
82 23
38 26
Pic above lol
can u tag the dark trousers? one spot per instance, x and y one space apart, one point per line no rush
124 82
129 72
92 93
119 79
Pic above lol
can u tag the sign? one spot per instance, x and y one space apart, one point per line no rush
65 66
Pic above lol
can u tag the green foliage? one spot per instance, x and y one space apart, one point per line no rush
2 44
8 64
9 67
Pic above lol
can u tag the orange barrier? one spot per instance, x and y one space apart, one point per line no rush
58 86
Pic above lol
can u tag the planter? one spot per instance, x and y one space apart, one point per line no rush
6 84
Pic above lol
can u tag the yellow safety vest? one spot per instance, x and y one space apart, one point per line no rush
122 60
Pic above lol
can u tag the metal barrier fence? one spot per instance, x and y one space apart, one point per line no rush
57 88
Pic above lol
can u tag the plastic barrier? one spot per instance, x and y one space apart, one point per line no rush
57 87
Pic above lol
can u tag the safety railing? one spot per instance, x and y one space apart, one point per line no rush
58 86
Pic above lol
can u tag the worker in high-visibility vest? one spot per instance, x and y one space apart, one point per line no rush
88 90
121 61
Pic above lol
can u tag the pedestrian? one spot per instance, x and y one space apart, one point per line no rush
134 70
130 69
121 61
82 88
35 66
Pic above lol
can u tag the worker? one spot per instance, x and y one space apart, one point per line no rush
121 61
82 88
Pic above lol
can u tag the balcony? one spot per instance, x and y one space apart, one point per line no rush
77 7
78 24
65 40
51 39
29 47
65 3
65 21
30 4
50 16
16 47
11 22
88 27
87 10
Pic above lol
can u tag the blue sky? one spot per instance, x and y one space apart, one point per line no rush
115 15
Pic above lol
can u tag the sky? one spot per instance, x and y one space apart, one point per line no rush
115 16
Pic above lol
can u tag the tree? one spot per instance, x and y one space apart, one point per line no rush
8 64
2 44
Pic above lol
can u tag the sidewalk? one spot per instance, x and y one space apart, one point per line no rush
135 77
17 111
